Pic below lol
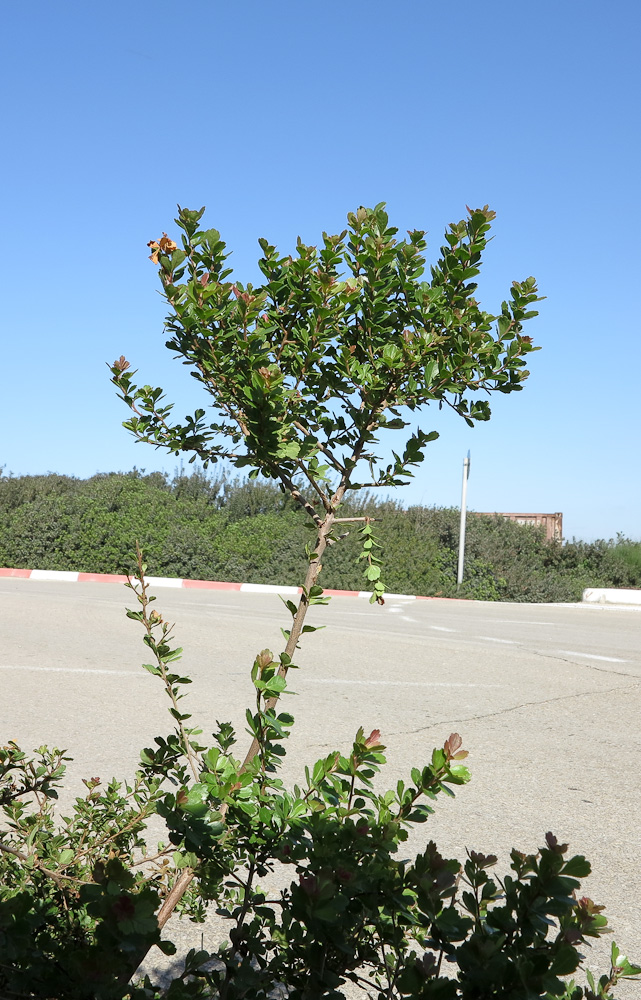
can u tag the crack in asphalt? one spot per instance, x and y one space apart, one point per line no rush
515 708
588 666
503 711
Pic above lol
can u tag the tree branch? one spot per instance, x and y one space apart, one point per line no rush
296 495
322 447
55 876
323 496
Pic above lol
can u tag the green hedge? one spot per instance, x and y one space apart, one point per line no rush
203 527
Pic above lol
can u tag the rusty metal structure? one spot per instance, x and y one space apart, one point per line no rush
553 523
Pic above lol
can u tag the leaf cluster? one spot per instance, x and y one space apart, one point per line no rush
340 342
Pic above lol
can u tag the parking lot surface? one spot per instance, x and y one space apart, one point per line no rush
547 699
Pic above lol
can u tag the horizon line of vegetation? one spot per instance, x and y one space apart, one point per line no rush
206 526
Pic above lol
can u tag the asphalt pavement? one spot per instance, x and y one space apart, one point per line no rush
547 699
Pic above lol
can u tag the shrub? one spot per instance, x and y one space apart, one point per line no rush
200 526
303 372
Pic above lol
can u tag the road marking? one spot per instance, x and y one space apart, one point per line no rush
406 618
368 614
591 656
517 621
394 610
442 684
219 607
441 628
491 638
71 670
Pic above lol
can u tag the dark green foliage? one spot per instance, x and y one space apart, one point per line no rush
91 525
202 527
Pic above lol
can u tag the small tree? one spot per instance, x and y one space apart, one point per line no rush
305 371
336 346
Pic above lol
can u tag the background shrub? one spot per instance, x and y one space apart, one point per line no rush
200 526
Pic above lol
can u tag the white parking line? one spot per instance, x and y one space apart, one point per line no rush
369 614
590 656
71 670
517 621
491 638
441 628
428 684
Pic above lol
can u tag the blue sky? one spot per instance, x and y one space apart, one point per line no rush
281 117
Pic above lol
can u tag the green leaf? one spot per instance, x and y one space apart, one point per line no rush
392 355
276 685
196 800
459 774
289 449
577 867
566 961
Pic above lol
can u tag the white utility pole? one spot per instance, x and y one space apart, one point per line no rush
461 542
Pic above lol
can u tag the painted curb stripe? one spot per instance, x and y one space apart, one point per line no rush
591 598
177 583
268 588
609 595
54 574
101 578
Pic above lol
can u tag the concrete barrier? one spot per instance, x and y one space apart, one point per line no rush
606 595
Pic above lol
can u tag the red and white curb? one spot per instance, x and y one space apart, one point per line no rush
609 596
67 576
596 598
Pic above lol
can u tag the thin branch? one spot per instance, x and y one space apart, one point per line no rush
144 600
153 857
348 520
371 486
296 495
311 577
323 496
322 447
247 895
55 876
